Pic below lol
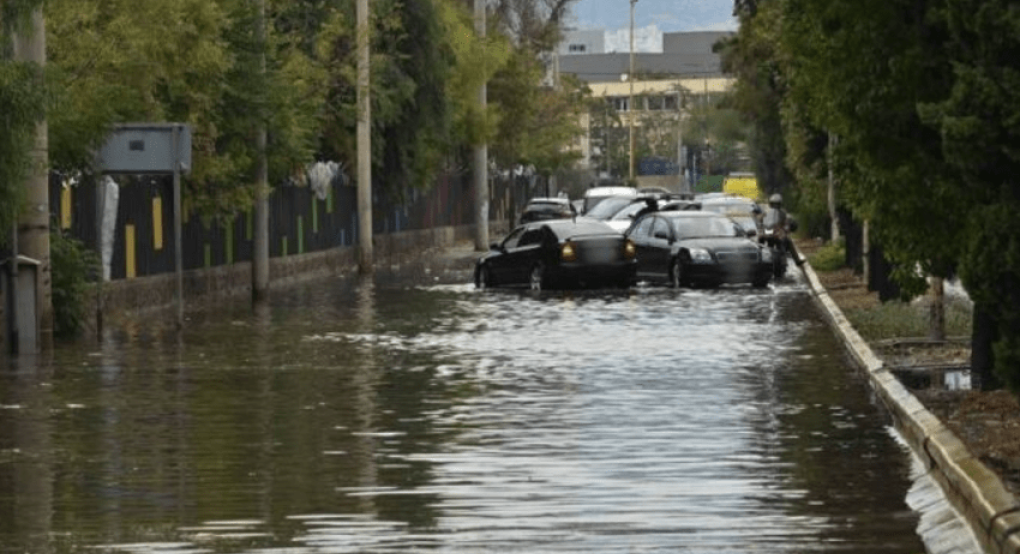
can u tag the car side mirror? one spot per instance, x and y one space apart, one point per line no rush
495 246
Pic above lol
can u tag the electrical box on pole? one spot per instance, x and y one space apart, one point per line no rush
153 148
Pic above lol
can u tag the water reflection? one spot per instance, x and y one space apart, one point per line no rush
357 416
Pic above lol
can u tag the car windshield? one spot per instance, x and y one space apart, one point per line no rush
629 211
745 206
691 227
609 206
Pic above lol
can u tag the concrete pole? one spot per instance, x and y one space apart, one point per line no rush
33 233
480 161
364 137
260 250
178 238
682 186
630 102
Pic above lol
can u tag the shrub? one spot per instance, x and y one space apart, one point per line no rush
830 257
71 265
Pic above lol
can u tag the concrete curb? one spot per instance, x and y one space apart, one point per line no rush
977 493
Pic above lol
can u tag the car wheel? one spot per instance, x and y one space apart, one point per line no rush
537 280
483 278
676 273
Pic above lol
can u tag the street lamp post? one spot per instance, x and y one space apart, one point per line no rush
630 102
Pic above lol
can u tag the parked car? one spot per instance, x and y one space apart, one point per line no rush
593 196
541 209
695 248
559 253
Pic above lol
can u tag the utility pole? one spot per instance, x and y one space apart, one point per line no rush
630 102
481 152
680 138
33 230
364 137
260 254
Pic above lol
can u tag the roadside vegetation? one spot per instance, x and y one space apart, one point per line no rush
201 62
900 114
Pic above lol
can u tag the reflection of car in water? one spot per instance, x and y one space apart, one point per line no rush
685 248
541 209
559 253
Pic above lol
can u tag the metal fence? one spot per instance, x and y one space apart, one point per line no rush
299 222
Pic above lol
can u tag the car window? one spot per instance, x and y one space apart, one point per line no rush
644 225
608 207
630 210
513 238
705 227
660 227
533 236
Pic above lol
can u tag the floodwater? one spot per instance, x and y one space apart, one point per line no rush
416 414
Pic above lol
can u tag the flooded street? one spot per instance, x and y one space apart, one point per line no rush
417 414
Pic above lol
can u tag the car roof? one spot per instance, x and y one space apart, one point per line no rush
575 226
552 200
689 213
611 191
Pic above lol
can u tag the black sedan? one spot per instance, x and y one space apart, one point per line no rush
691 248
561 253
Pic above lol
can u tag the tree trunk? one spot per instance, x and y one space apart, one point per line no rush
937 309
833 216
982 358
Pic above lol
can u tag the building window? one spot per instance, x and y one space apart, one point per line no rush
669 102
577 48
655 103
620 103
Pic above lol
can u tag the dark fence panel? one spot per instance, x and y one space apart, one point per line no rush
295 213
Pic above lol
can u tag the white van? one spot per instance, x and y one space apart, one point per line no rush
595 195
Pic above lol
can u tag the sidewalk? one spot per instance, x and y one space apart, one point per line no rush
977 492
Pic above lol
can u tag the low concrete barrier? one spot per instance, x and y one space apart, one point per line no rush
157 291
977 493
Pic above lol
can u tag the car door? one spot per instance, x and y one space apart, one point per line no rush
640 235
660 244
527 252
501 265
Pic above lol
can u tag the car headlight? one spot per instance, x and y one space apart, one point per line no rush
567 252
700 256
629 250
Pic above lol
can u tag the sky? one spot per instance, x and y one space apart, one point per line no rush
651 19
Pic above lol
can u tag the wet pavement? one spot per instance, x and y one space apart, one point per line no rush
412 413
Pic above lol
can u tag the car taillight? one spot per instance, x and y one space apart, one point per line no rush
567 252
629 250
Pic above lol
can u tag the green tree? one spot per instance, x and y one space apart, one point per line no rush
981 140
538 124
752 56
